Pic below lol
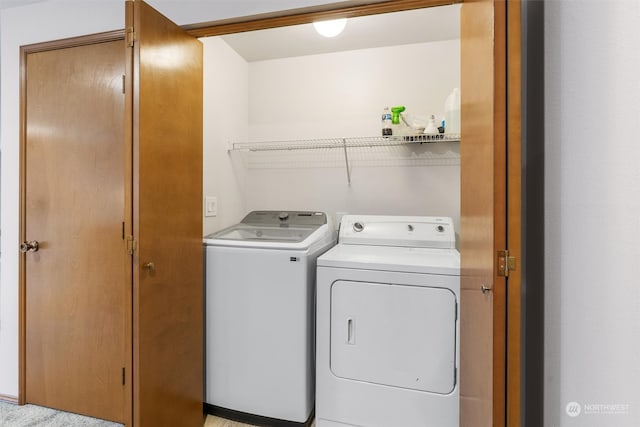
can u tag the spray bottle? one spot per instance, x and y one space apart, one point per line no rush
395 118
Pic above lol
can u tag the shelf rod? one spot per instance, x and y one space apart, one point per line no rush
346 160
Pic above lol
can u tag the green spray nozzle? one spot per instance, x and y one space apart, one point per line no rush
395 114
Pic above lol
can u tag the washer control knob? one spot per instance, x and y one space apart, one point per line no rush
283 216
358 227
440 229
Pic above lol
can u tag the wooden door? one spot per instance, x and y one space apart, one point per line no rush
164 97
76 290
490 213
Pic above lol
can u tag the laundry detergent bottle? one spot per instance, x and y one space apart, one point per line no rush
452 113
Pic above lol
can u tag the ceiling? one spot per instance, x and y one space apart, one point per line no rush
391 29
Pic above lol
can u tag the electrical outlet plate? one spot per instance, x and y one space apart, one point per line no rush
210 206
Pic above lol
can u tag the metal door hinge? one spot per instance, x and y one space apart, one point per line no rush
130 37
506 263
131 245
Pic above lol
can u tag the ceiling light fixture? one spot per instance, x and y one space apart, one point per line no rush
330 28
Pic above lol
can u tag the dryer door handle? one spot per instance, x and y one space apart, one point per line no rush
351 332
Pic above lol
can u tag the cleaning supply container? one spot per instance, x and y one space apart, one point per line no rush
452 113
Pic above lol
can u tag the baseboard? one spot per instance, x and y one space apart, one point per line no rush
8 399
257 420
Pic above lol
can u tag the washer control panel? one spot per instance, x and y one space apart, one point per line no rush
284 218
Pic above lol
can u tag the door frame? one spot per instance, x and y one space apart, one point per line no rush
110 36
507 345
514 194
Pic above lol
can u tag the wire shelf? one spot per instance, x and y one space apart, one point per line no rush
354 142
345 144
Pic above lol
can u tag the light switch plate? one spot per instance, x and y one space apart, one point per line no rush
210 206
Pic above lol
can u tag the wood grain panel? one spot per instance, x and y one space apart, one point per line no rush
26 50
500 211
167 220
483 213
307 15
514 211
77 298
475 409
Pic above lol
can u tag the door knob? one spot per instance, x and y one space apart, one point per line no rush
31 246
485 289
149 266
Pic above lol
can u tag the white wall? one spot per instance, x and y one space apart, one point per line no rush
50 20
226 118
335 95
343 93
592 290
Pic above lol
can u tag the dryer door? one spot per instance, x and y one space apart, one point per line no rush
394 335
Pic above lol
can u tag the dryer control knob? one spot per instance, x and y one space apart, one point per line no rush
440 228
358 227
283 216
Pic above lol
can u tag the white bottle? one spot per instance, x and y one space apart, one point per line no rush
386 122
432 126
452 113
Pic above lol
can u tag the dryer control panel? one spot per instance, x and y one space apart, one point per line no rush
403 231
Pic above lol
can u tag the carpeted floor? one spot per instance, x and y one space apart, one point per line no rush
37 416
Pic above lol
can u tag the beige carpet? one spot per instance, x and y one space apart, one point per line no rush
35 416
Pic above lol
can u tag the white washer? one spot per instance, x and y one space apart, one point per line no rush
260 288
387 324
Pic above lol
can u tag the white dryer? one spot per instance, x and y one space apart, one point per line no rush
260 289
387 324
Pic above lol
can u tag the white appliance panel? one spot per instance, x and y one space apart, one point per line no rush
259 331
342 402
386 258
394 335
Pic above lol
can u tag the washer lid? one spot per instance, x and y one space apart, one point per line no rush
276 230
263 233
389 258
